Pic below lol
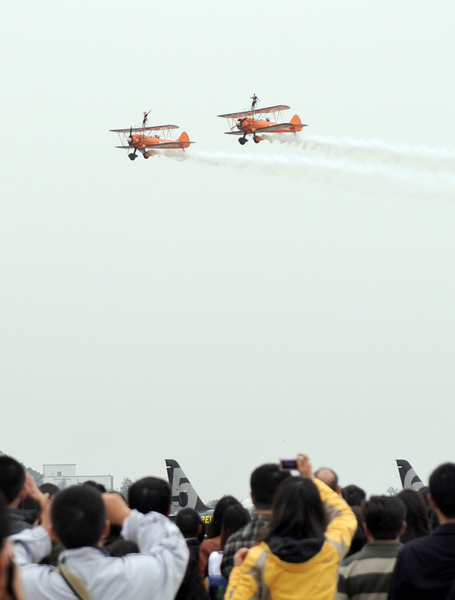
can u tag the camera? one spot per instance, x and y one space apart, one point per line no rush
288 464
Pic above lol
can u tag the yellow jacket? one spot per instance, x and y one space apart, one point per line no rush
312 572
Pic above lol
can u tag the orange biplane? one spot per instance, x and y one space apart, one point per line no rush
144 140
252 122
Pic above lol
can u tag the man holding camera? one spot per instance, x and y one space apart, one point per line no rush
263 484
80 517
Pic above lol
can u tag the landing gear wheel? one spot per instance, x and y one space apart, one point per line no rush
242 141
256 140
145 155
132 156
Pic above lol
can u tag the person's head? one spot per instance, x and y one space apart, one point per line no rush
297 510
353 494
235 517
359 539
49 488
150 494
222 505
417 519
31 509
384 517
4 521
12 479
78 516
98 486
189 522
442 490
425 493
121 547
329 477
264 482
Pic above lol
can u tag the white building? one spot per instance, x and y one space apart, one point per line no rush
64 475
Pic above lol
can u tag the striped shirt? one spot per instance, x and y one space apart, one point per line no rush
366 575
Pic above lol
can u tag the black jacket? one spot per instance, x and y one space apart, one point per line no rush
425 567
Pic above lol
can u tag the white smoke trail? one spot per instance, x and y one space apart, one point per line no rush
374 150
318 166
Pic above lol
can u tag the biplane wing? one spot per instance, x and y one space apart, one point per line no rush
280 127
257 111
143 129
169 144
271 109
143 140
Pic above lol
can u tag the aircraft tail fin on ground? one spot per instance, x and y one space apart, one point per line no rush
409 477
184 138
183 493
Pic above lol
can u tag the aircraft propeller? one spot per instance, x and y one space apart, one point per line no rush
129 139
237 124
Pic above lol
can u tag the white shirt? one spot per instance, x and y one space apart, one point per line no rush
156 572
214 565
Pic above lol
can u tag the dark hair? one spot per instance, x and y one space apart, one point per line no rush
188 521
222 505
442 489
49 488
12 477
384 516
425 493
332 482
417 520
31 509
353 494
4 520
98 486
150 493
235 517
78 516
359 539
297 510
121 547
264 482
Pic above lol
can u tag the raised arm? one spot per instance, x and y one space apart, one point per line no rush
342 522
161 564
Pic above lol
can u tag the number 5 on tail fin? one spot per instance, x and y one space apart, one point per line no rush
183 493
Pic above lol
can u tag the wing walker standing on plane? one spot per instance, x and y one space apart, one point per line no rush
144 120
144 140
253 122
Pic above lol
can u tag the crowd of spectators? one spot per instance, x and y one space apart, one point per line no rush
306 537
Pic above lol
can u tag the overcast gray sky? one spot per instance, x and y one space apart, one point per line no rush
246 303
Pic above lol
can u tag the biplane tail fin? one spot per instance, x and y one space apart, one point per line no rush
297 123
185 139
